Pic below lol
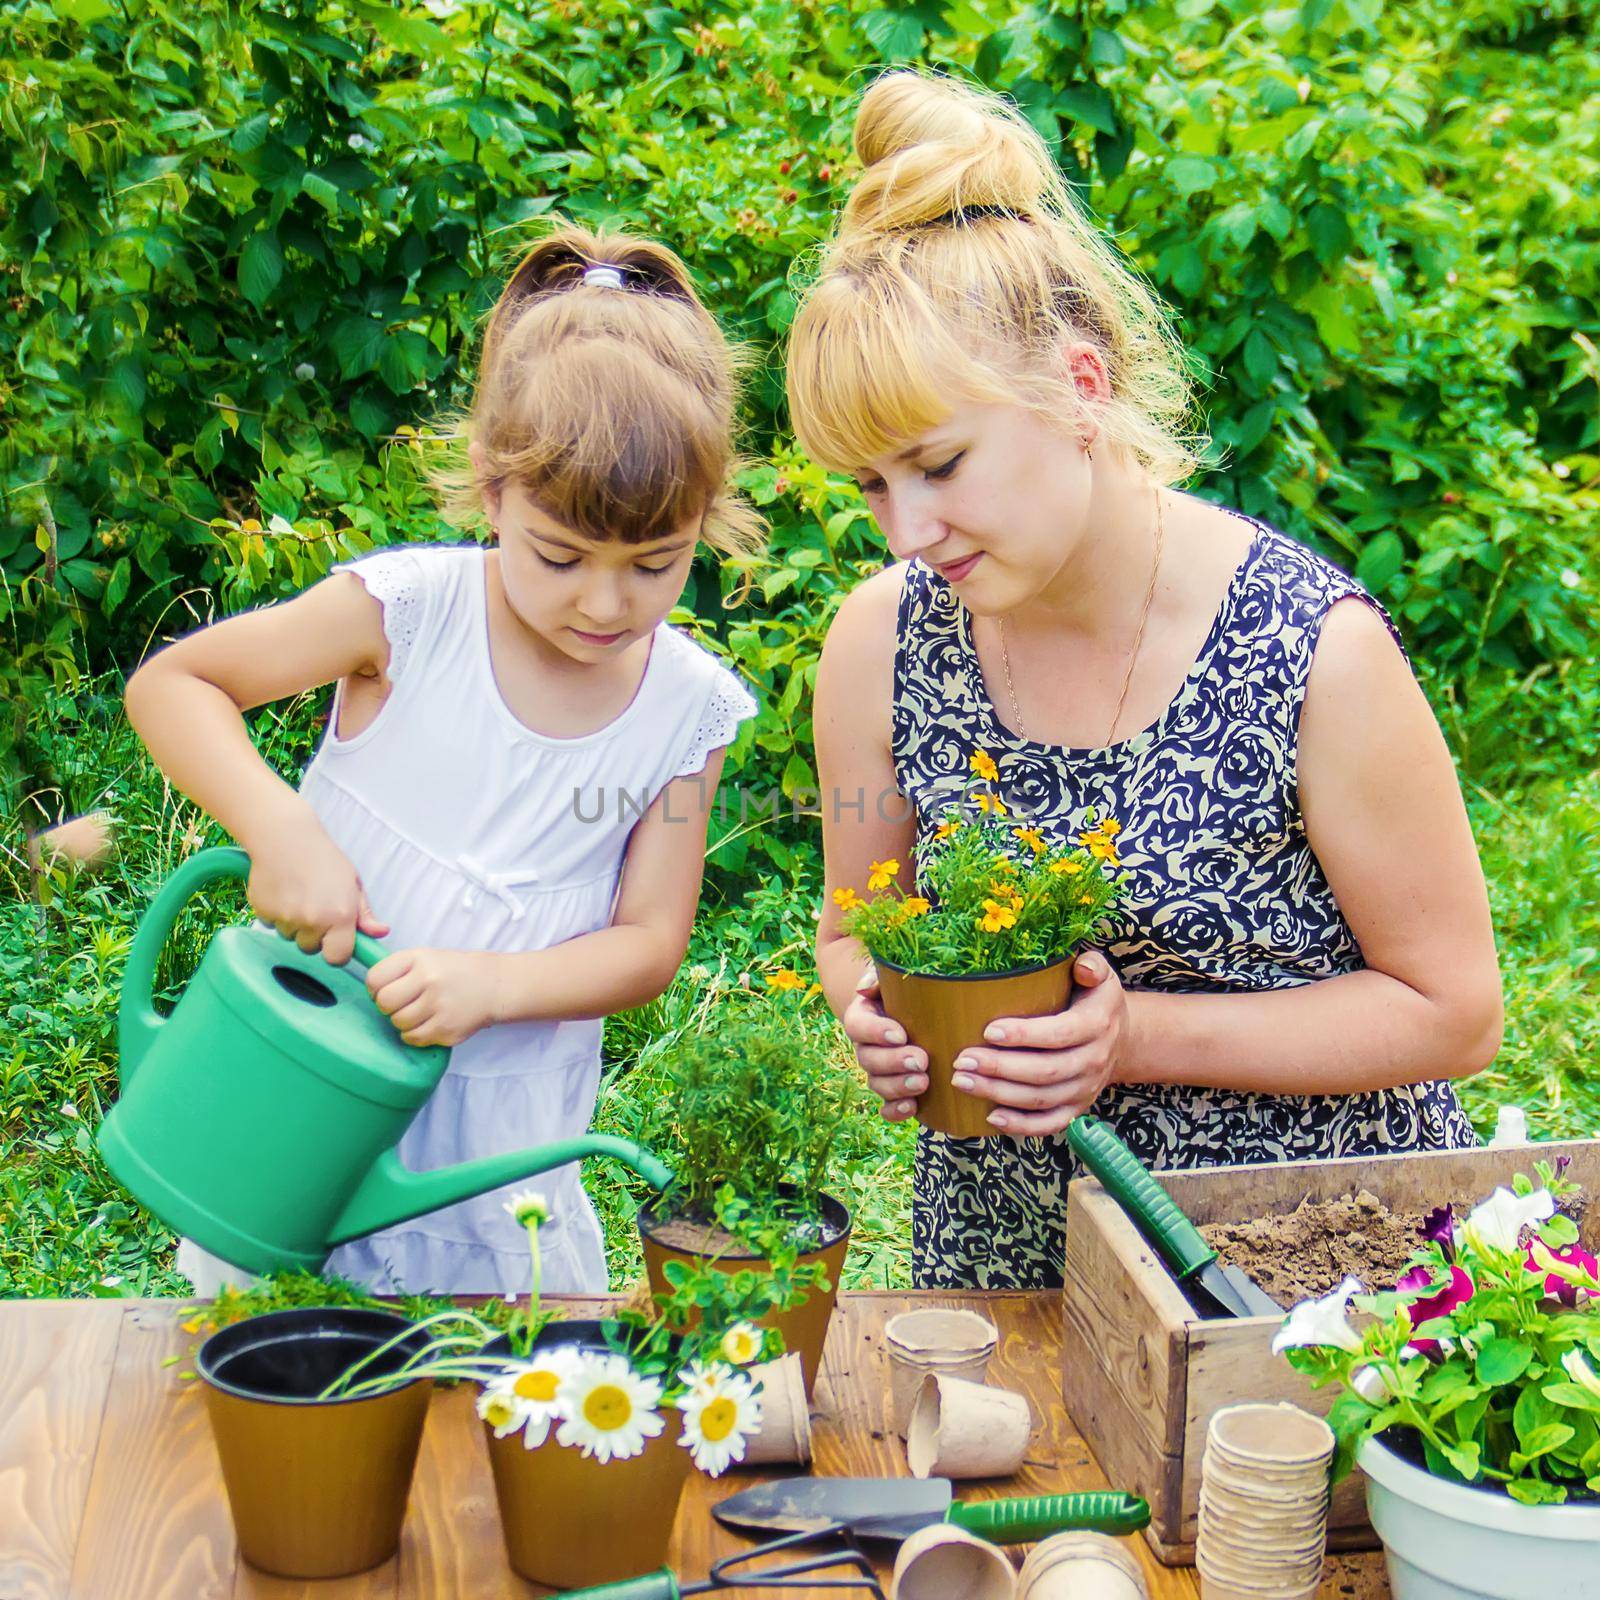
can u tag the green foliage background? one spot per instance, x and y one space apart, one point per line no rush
245 249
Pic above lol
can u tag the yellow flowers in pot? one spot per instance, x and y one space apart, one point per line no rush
1000 894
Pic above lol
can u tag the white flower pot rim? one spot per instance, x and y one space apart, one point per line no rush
1487 1508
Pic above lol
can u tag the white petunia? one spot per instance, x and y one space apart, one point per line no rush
529 1206
1320 1323
717 1419
1497 1223
1581 1373
1370 1383
607 1409
742 1343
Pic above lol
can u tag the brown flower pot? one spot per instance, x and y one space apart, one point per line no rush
945 1015
805 1328
570 1521
317 1488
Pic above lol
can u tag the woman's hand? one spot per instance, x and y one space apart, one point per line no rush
896 1071
304 885
1053 1067
437 996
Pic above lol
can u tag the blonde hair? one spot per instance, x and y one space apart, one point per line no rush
961 265
613 408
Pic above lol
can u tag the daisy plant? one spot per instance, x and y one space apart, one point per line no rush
1483 1361
692 1353
993 890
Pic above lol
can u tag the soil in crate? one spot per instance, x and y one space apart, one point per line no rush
1309 1251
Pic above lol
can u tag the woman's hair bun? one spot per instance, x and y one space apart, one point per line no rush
932 149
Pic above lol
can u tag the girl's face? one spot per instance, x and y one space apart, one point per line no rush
589 599
993 498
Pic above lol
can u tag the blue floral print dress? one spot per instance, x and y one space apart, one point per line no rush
1222 894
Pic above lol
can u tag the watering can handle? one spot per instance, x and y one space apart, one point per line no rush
138 1020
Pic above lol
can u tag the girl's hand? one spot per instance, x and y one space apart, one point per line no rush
896 1071
1053 1067
437 996
303 884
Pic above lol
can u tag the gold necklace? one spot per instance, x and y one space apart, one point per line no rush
1138 641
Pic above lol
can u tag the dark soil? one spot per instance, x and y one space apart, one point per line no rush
1311 1250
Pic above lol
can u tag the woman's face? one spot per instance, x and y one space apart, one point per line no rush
993 498
590 599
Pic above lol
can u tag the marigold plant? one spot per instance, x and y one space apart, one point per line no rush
993 891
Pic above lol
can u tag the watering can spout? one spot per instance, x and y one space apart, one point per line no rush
391 1193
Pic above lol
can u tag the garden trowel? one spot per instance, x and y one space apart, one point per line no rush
1165 1228
895 1508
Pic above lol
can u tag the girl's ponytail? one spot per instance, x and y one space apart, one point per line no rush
613 406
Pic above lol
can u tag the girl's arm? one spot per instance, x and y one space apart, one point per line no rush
187 704
442 996
1384 816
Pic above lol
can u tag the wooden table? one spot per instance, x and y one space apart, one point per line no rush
110 1490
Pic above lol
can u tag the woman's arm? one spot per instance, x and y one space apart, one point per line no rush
864 819
187 704
1384 816
441 996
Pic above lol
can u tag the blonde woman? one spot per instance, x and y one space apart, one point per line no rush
1304 957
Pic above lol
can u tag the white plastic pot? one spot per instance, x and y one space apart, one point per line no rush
1446 1541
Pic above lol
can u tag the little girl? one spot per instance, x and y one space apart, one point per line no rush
516 781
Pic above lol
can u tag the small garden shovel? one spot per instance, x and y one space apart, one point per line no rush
1164 1226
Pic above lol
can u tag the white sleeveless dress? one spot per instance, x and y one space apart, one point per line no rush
472 832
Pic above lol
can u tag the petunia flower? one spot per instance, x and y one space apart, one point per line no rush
1564 1270
1581 1373
1434 1303
1497 1223
1439 1227
1322 1323
1370 1383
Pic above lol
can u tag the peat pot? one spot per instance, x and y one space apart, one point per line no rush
569 1521
1449 1541
317 1488
945 1015
805 1328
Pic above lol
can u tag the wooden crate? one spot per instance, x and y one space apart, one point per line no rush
1142 1373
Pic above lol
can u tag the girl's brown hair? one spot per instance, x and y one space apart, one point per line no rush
613 408
962 266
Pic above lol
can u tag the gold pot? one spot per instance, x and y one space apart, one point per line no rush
570 1521
946 1015
317 1488
805 1327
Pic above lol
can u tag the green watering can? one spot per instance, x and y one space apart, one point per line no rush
262 1117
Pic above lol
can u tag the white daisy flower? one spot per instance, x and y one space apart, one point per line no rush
742 1344
500 1409
607 1409
532 1387
717 1419
700 1377
529 1206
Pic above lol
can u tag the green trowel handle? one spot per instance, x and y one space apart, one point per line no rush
1153 1211
662 1585
138 1020
1022 1521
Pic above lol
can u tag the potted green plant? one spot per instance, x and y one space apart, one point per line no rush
1472 1399
594 1425
998 915
748 1117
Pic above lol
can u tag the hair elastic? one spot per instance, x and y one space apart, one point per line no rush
603 277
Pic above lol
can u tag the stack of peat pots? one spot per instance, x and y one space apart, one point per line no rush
1263 1504
932 1340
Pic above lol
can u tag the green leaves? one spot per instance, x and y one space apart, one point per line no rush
260 266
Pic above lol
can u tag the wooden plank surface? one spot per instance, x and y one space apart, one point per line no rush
55 1371
110 1490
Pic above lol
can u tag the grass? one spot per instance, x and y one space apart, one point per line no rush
67 1229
